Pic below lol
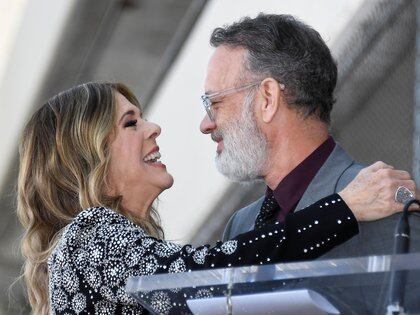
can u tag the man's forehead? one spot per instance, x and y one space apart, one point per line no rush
223 68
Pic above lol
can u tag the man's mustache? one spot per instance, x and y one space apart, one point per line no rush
216 135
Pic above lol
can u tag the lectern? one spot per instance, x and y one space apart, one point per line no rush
340 286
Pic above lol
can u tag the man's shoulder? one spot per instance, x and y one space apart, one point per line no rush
251 209
347 168
340 161
349 174
339 169
243 219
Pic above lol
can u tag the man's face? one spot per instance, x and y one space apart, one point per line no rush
241 147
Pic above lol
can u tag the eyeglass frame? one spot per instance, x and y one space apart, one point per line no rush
207 102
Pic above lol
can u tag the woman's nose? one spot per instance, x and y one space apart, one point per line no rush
154 130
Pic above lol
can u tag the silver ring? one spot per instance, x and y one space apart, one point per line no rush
403 195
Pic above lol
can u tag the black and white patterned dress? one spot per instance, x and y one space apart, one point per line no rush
101 249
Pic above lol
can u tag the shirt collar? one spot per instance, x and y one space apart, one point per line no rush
291 189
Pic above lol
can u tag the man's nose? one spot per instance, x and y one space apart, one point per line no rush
207 125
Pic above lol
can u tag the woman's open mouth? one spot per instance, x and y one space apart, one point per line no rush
152 159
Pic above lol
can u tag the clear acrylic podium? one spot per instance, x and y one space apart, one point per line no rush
339 286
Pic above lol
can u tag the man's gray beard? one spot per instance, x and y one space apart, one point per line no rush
245 149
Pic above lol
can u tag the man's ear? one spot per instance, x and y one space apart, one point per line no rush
271 93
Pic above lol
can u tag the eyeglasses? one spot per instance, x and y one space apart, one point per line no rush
208 99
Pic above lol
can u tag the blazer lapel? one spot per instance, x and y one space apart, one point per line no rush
325 181
254 213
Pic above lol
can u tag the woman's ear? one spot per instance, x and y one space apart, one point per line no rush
272 95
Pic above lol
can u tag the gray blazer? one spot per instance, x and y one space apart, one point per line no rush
338 170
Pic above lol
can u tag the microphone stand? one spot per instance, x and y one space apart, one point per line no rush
398 277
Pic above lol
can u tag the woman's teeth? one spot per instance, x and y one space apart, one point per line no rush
153 157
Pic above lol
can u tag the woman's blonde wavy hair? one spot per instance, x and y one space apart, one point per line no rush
64 161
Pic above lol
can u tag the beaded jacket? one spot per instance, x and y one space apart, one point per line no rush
100 249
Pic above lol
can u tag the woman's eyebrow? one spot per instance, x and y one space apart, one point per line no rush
130 112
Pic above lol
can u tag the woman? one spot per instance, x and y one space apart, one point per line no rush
89 173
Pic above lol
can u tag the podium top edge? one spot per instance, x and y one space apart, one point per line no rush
281 271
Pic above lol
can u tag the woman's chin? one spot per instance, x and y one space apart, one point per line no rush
166 183
170 182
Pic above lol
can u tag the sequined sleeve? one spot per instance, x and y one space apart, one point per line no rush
102 249
305 234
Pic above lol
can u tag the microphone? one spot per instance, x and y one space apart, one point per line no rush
398 277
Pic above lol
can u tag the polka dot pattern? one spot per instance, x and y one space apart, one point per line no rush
268 210
101 249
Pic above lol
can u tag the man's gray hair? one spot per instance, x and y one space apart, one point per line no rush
288 50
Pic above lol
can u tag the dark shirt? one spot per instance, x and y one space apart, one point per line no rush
291 189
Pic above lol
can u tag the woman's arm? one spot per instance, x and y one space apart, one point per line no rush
305 234
128 251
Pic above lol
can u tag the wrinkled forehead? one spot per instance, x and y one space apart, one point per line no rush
224 68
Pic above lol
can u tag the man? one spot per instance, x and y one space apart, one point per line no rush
269 95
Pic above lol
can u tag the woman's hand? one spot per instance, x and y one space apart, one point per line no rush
370 195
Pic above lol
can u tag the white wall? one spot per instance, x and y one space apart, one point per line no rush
31 32
177 108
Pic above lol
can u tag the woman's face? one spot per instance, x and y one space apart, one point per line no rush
135 169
